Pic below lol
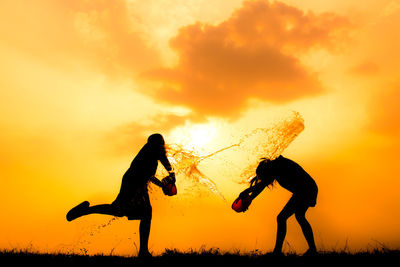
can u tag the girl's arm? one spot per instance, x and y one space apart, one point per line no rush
257 189
254 190
165 162
155 181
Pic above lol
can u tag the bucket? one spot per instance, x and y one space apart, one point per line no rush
241 204
170 189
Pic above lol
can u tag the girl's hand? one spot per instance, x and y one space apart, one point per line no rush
169 187
242 203
172 177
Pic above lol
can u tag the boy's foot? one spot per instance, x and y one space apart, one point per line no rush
77 211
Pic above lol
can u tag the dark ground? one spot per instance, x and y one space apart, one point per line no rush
207 259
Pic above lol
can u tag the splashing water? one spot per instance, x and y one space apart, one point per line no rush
186 163
267 142
84 241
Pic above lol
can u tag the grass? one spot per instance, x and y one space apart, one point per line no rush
207 258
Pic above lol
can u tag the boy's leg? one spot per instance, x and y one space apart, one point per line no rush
300 215
286 212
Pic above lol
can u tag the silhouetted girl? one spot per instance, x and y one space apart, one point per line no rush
133 199
293 178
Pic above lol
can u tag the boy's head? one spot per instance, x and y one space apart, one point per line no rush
264 171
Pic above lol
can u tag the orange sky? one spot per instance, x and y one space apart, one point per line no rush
83 83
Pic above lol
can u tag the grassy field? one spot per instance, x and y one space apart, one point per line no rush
212 257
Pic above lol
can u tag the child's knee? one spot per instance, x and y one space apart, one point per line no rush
281 218
301 218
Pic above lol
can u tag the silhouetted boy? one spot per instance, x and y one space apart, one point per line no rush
293 178
133 199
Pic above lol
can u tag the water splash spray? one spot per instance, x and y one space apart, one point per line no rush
186 163
267 142
84 241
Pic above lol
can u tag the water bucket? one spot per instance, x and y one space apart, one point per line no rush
241 204
170 189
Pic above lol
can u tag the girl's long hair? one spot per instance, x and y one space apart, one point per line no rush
263 173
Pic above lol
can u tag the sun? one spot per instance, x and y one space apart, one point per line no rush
200 135
195 137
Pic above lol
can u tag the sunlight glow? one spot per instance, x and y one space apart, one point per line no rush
195 136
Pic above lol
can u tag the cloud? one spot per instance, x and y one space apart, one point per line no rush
253 54
107 27
390 8
99 33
